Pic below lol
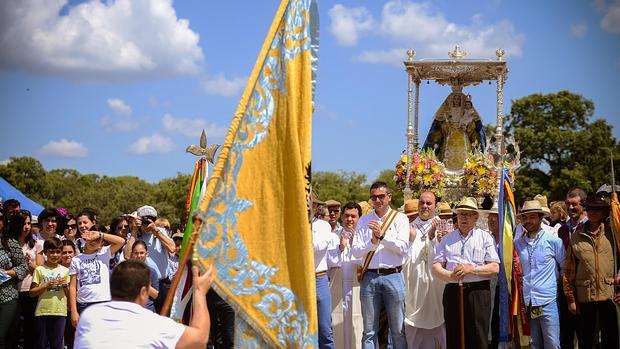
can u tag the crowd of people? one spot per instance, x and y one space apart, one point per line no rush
56 265
390 278
385 277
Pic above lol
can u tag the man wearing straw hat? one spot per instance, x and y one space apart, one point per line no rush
423 308
542 257
467 255
589 274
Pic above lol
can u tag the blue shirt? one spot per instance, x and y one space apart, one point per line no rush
542 259
157 252
155 284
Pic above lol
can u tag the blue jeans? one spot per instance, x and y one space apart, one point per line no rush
546 328
376 289
324 312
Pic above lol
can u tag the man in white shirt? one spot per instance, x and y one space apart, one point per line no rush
125 323
424 310
346 314
324 241
467 256
384 251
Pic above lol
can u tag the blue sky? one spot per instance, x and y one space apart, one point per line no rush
122 87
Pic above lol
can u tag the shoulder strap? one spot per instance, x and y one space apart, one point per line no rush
384 227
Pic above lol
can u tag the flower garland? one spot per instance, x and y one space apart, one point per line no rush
427 173
480 176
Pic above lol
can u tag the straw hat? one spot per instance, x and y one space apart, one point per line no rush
543 204
531 206
467 204
411 207
444 209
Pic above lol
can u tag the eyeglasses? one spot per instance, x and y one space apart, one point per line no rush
124 226
71 226
334 210
379 197
465 215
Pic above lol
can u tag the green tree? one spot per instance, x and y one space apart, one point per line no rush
26 174
341 186
170 196
560 146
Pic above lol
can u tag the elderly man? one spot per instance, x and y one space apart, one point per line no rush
467 255
333 207
424 310
589 275
542 257
382 241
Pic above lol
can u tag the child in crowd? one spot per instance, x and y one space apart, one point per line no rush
68 252
139 252
49 283
90 271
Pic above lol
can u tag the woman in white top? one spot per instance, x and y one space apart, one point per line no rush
90 271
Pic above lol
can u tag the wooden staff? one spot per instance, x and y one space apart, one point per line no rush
165 309
462 314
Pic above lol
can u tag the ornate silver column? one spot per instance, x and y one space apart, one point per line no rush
411 136
499 129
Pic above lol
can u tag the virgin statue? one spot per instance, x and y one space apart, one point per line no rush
455 130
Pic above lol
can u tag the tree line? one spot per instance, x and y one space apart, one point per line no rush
561 147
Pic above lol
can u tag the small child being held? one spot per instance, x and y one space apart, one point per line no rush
49 283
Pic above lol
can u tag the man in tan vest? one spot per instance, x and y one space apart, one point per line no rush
588 277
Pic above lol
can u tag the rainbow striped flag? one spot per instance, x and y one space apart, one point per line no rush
510 273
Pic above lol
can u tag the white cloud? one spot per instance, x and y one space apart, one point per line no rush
5 162
65 148
611 20
192 127
428 31
152 145
97 40
347 24
119 106
121 120
579 29
220 86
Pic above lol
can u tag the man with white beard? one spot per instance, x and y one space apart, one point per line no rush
424 318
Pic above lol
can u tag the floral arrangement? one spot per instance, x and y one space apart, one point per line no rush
480 175
427 173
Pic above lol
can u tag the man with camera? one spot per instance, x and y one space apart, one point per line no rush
159 246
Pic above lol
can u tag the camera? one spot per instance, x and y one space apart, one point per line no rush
146 221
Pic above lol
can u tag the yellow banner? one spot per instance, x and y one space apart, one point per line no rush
255 228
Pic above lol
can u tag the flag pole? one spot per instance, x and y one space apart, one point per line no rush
207 154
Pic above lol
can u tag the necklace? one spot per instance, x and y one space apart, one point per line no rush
464 241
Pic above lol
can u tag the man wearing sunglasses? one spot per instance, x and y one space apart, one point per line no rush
383 248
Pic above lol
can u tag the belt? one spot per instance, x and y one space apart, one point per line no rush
320 273
484 284
386 271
